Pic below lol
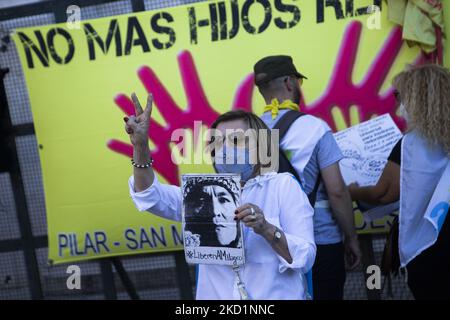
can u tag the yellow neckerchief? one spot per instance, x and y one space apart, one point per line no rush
275 107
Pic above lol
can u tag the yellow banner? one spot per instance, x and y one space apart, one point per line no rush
197 61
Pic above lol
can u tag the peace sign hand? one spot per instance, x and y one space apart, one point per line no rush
137 126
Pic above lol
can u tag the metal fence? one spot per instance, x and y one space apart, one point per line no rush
24 272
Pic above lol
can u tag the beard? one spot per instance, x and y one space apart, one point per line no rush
297 96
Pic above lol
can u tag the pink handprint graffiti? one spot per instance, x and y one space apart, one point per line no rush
341 92
198 109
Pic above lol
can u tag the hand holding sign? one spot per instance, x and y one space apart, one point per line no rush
137 126
252 216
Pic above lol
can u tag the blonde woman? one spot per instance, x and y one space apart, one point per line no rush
424 239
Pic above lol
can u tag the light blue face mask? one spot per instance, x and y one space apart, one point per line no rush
236 160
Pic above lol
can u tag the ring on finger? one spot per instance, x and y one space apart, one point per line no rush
253 213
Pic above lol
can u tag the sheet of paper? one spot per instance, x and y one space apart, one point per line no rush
211 235
366 147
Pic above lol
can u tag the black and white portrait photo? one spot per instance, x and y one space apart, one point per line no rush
211 235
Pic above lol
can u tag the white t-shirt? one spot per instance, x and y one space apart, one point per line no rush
310 147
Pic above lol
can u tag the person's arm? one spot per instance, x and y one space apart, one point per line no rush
342 210
296 248
264 229
281 246
145 190
339 198
143 177
328 156
137 127
296 221
387 189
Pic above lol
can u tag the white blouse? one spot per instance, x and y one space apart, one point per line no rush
266 274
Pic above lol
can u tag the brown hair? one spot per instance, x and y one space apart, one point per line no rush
425 93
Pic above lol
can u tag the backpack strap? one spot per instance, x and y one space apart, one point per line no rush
284 164
283 125
313 194
286 121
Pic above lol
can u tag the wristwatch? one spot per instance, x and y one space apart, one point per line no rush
276 235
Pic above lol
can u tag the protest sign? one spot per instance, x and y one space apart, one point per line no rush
210 233
366 147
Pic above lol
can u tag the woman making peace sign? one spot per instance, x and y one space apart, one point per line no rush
277 216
